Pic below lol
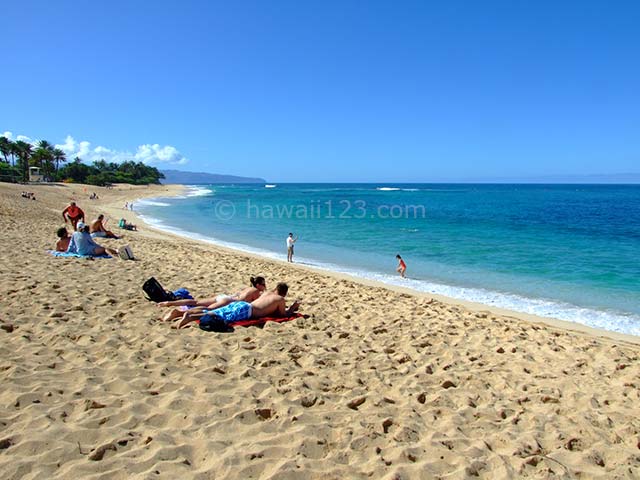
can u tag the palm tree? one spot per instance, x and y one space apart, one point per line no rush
24 151
44 145
6 148
43 158
59 156
14 153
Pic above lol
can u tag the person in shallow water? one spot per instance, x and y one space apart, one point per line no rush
402 267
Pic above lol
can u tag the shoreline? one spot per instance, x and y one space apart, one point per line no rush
474 306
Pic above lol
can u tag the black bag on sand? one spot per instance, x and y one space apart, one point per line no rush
213 323
155 292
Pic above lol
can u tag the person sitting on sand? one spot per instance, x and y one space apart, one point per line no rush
402 267
73 214
270 304
82 243
97 229
249 294
63 243
126 225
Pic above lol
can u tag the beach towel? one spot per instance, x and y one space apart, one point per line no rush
263 320
256 322
76 255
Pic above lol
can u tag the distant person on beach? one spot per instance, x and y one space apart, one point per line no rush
126 225
270 304
73 214
290 242
402 267
63 243
131 206
126 205
248 294
82 243
97 229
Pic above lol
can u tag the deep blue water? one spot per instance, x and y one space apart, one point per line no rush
564 251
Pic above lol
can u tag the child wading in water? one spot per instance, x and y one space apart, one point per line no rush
402 267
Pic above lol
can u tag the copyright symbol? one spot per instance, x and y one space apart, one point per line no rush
224 210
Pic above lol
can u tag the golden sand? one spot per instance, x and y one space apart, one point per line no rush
376 383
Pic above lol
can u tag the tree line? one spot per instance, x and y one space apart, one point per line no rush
18 156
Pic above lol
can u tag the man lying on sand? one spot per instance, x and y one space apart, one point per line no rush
249 294
269 304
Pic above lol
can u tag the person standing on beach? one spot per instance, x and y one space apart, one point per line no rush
402 267
73 214
290 242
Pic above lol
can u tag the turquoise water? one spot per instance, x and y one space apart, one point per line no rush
561 251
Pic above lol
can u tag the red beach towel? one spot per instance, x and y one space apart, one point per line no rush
261 321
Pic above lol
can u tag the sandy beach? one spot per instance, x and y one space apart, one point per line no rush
375 383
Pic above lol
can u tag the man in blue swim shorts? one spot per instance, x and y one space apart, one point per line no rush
233 312
268 304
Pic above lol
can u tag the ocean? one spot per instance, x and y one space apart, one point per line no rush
570 252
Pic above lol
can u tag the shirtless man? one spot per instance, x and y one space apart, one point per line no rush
73 214
63 243
249 294
97 229
269 304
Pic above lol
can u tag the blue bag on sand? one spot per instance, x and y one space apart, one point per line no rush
182 294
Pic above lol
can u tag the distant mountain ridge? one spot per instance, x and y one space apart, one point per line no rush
189 178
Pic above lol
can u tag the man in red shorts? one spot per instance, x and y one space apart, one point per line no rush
73 214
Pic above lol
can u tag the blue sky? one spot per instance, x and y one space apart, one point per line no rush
331 90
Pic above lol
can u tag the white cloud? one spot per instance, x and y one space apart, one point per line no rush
148 154
18 138
157 154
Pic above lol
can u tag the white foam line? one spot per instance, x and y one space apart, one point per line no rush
153 203
198 191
